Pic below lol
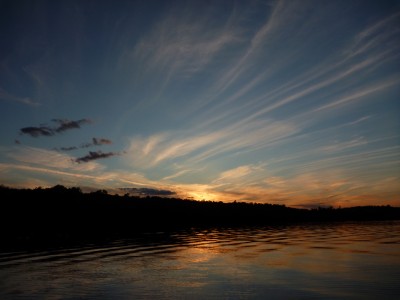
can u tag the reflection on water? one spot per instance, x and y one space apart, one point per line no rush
340 261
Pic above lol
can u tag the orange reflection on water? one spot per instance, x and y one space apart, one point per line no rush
283 262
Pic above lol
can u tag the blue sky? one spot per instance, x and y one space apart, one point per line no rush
287 102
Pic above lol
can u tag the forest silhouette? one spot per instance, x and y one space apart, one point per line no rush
62 214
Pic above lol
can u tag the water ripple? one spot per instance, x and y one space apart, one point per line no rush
313 260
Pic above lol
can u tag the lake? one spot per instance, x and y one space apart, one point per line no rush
306 261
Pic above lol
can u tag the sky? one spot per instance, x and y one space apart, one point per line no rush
284 102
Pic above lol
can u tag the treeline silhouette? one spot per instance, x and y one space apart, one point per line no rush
61 213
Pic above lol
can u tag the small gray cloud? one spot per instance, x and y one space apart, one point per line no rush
37 131
96 142
86 145
93 155
148 192
65 124
68 148
101 141
44 130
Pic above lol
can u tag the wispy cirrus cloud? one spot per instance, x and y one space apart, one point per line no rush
48 159
65 171
235 173
284 110
183 44
4 95
343 71
168 146
176 174
270 101
318 188
376 34
359 94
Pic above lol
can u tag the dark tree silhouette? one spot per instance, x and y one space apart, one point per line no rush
61 213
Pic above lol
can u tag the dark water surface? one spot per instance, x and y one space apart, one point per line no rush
309 261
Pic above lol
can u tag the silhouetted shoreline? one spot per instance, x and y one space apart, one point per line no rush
66 214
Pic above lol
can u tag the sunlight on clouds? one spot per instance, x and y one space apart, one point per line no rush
197 192
341 146
197 147
182 147
155 149
234 173
275 181
44 170
241 175
333 187
321 188
269 101
101 179
249 135
49 158
175 175
247 97
151 143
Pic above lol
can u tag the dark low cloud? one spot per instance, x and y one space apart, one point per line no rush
313 205
101 141
63 125
148 192
93 155
68 148
37 131
96 142
86 145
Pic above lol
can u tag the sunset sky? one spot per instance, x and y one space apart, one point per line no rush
288 102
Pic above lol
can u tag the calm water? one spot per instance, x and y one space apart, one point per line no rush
342 261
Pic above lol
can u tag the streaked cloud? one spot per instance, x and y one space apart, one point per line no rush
4 95
238 174
360 94
267 101
48 158
177 174
169 146
180 43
